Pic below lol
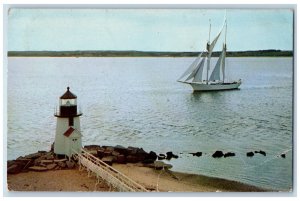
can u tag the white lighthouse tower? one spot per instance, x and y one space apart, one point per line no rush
68 135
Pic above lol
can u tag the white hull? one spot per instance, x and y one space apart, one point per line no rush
200 86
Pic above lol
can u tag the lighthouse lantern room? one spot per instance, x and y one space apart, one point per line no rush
68 135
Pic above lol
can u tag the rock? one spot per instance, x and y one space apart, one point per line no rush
282 155
109 148
159 165
152 155
60 160
218 154
170 155
51 166
92 147
122 150
132 150
229 154
93 152
100 153
250 154
108 160
261 152
115 153
61 164
49 156
46 162
161 156
52 147
148 161
197 154
131 159
121 159
70 164
38 168
33 156
14 169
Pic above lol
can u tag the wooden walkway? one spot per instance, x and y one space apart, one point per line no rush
112 176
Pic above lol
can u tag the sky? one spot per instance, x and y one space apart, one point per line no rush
147 29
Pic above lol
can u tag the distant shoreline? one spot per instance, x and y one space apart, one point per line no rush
92 53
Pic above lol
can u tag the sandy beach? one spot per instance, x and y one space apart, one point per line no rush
153 180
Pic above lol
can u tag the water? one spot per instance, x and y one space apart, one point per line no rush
137 102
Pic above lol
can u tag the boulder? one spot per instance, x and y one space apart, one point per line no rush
159 165
108 160
170 155
49 156
109 148
38 168
100 153
121 159
122 150
282 155
218 154
197 154
261 152
250 154
33 156
152 155
91 147
161 156
60 160
148 161
132 159
46 162
14 169
93 152
132 150
107 153
115 153
61 164
229 154
70 164
51 166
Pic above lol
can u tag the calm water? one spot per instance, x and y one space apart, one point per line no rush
137 102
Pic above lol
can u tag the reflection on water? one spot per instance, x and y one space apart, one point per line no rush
137 102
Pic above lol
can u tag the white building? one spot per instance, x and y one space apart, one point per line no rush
68 135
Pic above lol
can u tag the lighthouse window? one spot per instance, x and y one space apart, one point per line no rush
71 121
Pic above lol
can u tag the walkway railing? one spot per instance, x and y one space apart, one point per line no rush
112 176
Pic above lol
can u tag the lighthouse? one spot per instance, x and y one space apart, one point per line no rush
68 135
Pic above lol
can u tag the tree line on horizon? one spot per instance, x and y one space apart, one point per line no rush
108 53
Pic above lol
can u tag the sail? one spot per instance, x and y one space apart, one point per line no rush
192 67
196 70
198 76
211 46
216 73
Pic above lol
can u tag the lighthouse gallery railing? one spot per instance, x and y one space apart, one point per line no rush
109 174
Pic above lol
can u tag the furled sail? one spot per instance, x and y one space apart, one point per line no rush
223 62
192 67
216 73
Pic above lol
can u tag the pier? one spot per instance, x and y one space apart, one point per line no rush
113 177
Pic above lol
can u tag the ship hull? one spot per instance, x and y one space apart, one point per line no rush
215 86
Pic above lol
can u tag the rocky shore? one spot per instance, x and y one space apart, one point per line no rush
47 160
34 171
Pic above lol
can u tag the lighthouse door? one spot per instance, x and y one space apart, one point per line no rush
75 144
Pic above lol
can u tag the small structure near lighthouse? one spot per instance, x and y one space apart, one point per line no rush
68 135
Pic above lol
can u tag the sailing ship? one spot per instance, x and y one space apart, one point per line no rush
215 78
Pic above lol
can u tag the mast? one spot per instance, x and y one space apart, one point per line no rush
208 49
223 65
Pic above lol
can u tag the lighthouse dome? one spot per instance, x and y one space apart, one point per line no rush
68 95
